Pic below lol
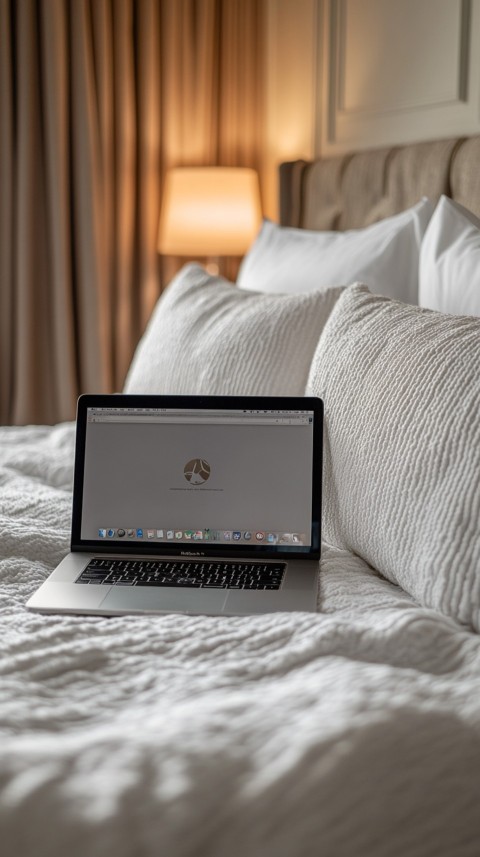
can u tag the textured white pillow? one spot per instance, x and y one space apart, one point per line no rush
449 277
208 337
401 387
384 255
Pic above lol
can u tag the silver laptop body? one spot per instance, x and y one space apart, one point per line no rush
192 504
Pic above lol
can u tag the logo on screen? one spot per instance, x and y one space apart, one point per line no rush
197 471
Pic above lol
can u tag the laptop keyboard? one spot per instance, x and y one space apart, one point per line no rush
190 573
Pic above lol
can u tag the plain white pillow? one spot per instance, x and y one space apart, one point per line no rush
401 387
449 277
384 255
206 337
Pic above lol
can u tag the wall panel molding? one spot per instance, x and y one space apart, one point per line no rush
397 72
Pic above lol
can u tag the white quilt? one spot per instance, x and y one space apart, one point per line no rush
355 731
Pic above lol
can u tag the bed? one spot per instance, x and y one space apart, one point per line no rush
352 731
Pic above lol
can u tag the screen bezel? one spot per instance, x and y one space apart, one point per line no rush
205 402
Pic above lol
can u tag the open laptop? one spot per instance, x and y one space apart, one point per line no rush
192 504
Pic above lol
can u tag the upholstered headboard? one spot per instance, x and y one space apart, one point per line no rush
353 190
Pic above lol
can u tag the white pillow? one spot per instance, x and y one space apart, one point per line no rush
384 255
206 336
401 387
449 278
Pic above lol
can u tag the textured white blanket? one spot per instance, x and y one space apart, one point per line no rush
352 732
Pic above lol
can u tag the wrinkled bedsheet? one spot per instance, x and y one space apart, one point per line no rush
355 731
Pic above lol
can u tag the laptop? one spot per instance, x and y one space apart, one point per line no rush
192 504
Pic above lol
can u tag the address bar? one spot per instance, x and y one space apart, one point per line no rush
200 420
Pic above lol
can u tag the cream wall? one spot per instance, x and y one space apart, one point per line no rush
353 74
291 89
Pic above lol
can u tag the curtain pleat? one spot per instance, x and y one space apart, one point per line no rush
98 98
86 200
7 212
33 381
102 38
59 279
149 164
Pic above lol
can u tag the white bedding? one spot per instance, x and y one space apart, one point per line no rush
355 731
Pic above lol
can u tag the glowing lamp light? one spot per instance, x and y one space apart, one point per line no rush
209 211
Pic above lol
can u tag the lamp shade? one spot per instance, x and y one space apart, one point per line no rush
209 211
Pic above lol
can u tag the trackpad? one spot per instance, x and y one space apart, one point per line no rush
164 600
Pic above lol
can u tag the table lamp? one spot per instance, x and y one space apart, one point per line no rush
209 212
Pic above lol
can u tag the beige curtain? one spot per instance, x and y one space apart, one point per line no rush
97 99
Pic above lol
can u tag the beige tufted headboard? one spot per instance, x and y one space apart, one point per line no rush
353 190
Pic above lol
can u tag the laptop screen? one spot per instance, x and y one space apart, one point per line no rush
198 475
